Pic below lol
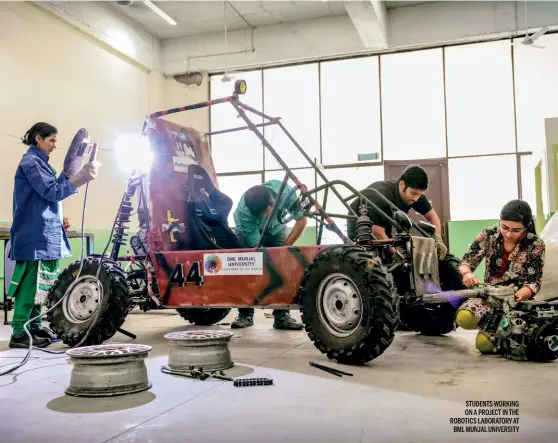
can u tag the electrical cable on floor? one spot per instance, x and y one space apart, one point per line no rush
68 291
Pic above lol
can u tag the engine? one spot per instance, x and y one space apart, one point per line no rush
525 330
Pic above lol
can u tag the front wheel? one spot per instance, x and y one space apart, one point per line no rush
98 307
349 305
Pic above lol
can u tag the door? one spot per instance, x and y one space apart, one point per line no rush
438 188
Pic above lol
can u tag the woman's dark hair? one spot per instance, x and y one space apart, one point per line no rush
519 211
41 129
257 199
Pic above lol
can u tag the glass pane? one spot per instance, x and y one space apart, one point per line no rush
536 95
350 100
306 176
479 96
292 94
528 163
235 186
481 186
413 105
236 151
357 177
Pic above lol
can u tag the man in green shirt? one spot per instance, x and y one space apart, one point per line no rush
250 218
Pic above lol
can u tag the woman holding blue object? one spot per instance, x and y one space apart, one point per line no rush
38 237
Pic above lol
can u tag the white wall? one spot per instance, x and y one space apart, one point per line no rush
117 31
52 72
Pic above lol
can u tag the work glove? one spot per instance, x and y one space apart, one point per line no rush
86 174
441 248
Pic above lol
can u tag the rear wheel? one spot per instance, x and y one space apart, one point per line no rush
95 306
349 305
203 316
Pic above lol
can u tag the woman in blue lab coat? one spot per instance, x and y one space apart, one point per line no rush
38 238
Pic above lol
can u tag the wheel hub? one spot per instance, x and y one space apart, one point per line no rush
83 302
339 305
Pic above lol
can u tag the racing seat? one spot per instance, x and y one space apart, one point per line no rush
208 212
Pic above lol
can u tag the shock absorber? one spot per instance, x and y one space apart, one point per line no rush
122 217
364 227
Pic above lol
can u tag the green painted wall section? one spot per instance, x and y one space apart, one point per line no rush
462 234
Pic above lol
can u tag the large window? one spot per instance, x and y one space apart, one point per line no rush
292 93
479 94
413 105
454 103
481 186
350 107
536 94
236 151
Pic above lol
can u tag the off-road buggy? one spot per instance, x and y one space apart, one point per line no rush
352 296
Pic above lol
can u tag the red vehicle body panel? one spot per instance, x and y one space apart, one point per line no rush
280 270
276 286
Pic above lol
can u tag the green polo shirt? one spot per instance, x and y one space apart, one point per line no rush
251 226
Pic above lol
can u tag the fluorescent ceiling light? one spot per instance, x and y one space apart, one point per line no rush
160 13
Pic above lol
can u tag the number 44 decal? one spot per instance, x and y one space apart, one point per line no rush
194 275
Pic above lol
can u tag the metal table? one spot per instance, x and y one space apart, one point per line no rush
5 236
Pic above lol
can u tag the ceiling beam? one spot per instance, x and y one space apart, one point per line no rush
370 19
115 31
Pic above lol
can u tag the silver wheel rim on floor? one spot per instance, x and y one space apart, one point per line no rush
339 305
108 370
202 348
82 303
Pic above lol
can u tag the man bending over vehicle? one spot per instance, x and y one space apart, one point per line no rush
250 217
406 192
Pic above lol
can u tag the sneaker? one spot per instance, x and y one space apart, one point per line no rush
22 341
285 321
46 333
243 321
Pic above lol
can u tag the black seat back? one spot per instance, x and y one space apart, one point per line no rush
208 212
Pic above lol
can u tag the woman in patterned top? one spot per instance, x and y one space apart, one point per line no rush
514 256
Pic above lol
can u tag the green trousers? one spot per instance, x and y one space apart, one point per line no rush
29 286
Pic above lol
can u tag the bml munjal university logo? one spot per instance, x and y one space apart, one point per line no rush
213 264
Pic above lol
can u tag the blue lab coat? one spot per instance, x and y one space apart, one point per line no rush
37 231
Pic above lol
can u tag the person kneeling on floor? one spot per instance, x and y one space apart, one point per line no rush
37 236
514 257
250 218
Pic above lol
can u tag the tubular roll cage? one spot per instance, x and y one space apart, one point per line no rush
320 215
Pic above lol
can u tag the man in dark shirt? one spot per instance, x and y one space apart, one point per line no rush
406 192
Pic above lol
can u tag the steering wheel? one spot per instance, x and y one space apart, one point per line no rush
286 215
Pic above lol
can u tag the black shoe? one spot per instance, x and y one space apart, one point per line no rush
46 333
22 341
285 321
243 321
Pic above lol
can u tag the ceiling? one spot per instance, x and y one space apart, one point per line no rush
200 17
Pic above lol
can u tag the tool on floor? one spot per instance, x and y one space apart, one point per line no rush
333 371
261 381
198 374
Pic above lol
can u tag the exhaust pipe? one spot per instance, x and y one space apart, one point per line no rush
449 296
497 292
